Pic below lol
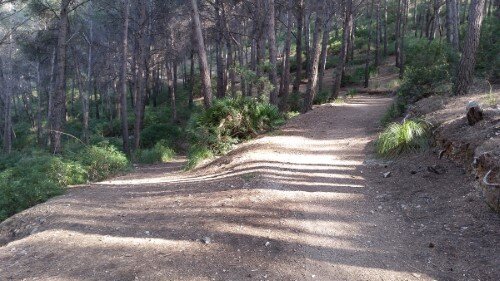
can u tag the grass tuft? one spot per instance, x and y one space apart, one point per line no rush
398 138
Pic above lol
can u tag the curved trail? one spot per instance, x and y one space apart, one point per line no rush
303 203
290 206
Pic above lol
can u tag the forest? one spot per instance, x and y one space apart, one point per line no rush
94 89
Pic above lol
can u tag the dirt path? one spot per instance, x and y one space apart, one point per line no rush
303 203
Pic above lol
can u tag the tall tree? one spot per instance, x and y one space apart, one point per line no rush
312 83
298 59
285 89
58 110
452 23
273 53
202 55
123 77
471 42
344 49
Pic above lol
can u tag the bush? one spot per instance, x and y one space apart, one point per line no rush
197 154
411 135
396 110
428 67
21 188
160 153
101 162
158 132
322 97
230 121
295 101
488 60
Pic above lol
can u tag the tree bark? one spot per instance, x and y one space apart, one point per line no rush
452 23
467 64
300 21
312 83
221 83
323 57
206 84
141 74
368 51
273 53
285 90
123 78
348 28
58 112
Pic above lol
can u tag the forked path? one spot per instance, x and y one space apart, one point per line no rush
293 205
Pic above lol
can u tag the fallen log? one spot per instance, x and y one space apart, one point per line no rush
372 91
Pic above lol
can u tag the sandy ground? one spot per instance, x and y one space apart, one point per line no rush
307 202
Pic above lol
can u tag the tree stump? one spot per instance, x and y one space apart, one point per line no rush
474 113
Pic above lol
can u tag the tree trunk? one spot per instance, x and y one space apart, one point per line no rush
323 57
339 70
85 94
300 21
58 112
221 84
307 39
403 31
7 80
378 35
452 23
312 83
385 28
273 53
191 80
286 68
368 51
467 64
122 88
141 74
206 84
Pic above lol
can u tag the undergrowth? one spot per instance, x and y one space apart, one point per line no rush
398 138
228 122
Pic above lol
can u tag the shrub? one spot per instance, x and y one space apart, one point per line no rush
230 121
488 60
322 97
21 188
158 132
160 153
411 135
428 67
295 101
396 110
197 154
101 162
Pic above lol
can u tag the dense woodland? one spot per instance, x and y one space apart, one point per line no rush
89 86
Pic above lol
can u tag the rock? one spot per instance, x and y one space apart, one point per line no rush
387 175
431 245
206 240
474 113
436 169
267 244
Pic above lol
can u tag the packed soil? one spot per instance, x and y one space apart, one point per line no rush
306 202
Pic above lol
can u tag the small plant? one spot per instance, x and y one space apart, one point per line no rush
196 155
491 99
351 93
322 97
396 110
100 162
397 138
291 114
160 153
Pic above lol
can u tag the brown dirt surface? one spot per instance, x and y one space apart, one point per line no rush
307 202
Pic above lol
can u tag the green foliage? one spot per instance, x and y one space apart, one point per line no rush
396 110
157 132
295 101
34 179
428 68
488 58
322 97
101 162
160 153
197 154
230 121
351 93
411 135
